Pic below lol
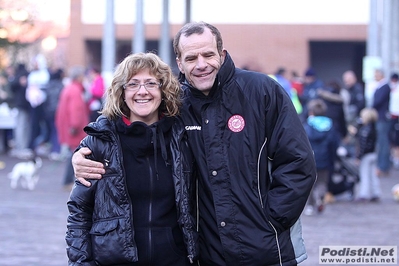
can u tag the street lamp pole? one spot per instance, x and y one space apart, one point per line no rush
139 35
164 45
108 44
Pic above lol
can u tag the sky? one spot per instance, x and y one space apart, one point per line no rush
219 11
53 10
238 11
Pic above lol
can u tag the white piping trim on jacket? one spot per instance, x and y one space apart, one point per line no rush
258 174
261 203
277 243
196 199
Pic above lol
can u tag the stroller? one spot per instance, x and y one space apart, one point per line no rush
346 173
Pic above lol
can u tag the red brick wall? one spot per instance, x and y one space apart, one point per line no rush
262 47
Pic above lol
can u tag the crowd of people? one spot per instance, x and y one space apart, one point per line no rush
35 90
364 123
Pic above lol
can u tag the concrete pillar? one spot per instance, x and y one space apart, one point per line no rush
395 37
165 42
138 44
188 11
386 35
373 39
108 44
373 59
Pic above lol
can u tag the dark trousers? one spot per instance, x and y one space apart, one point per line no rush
69 176
40 128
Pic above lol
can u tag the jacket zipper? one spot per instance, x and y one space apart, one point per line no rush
127 193
182 174
150 210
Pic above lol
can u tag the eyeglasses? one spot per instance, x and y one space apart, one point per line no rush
149 85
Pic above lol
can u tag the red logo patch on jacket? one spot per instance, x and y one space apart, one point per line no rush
236 123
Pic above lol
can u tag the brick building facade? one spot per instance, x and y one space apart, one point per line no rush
330 49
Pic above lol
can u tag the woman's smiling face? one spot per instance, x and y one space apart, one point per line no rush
143 103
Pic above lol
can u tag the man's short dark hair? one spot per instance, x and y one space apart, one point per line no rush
197 28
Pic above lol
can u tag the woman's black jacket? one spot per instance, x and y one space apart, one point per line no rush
85 235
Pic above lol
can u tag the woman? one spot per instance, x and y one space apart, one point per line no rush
96 91
71 116
140 213
369 186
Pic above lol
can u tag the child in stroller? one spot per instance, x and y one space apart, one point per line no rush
346 174
360 168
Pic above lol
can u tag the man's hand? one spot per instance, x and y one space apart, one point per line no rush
85 168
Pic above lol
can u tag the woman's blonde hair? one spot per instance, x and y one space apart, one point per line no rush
368 115
171 93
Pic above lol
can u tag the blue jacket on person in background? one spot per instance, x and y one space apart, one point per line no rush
324 140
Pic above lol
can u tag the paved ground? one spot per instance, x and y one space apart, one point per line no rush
356 224
33 223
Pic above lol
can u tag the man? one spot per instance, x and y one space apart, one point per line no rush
255 161
381 104
281 78
311 86
356 101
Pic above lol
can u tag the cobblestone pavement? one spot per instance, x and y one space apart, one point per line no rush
348 223
33 223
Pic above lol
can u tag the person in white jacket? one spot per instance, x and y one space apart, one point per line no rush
36 96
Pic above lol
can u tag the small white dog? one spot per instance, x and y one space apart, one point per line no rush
27 172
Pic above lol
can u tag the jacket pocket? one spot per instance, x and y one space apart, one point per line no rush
110 244
102 227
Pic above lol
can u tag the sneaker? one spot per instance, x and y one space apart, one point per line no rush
381 173
57 157
308 210
361 200
23 154
375 199
43 149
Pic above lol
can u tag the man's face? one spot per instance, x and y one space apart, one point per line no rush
349 79
378 75
200 61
